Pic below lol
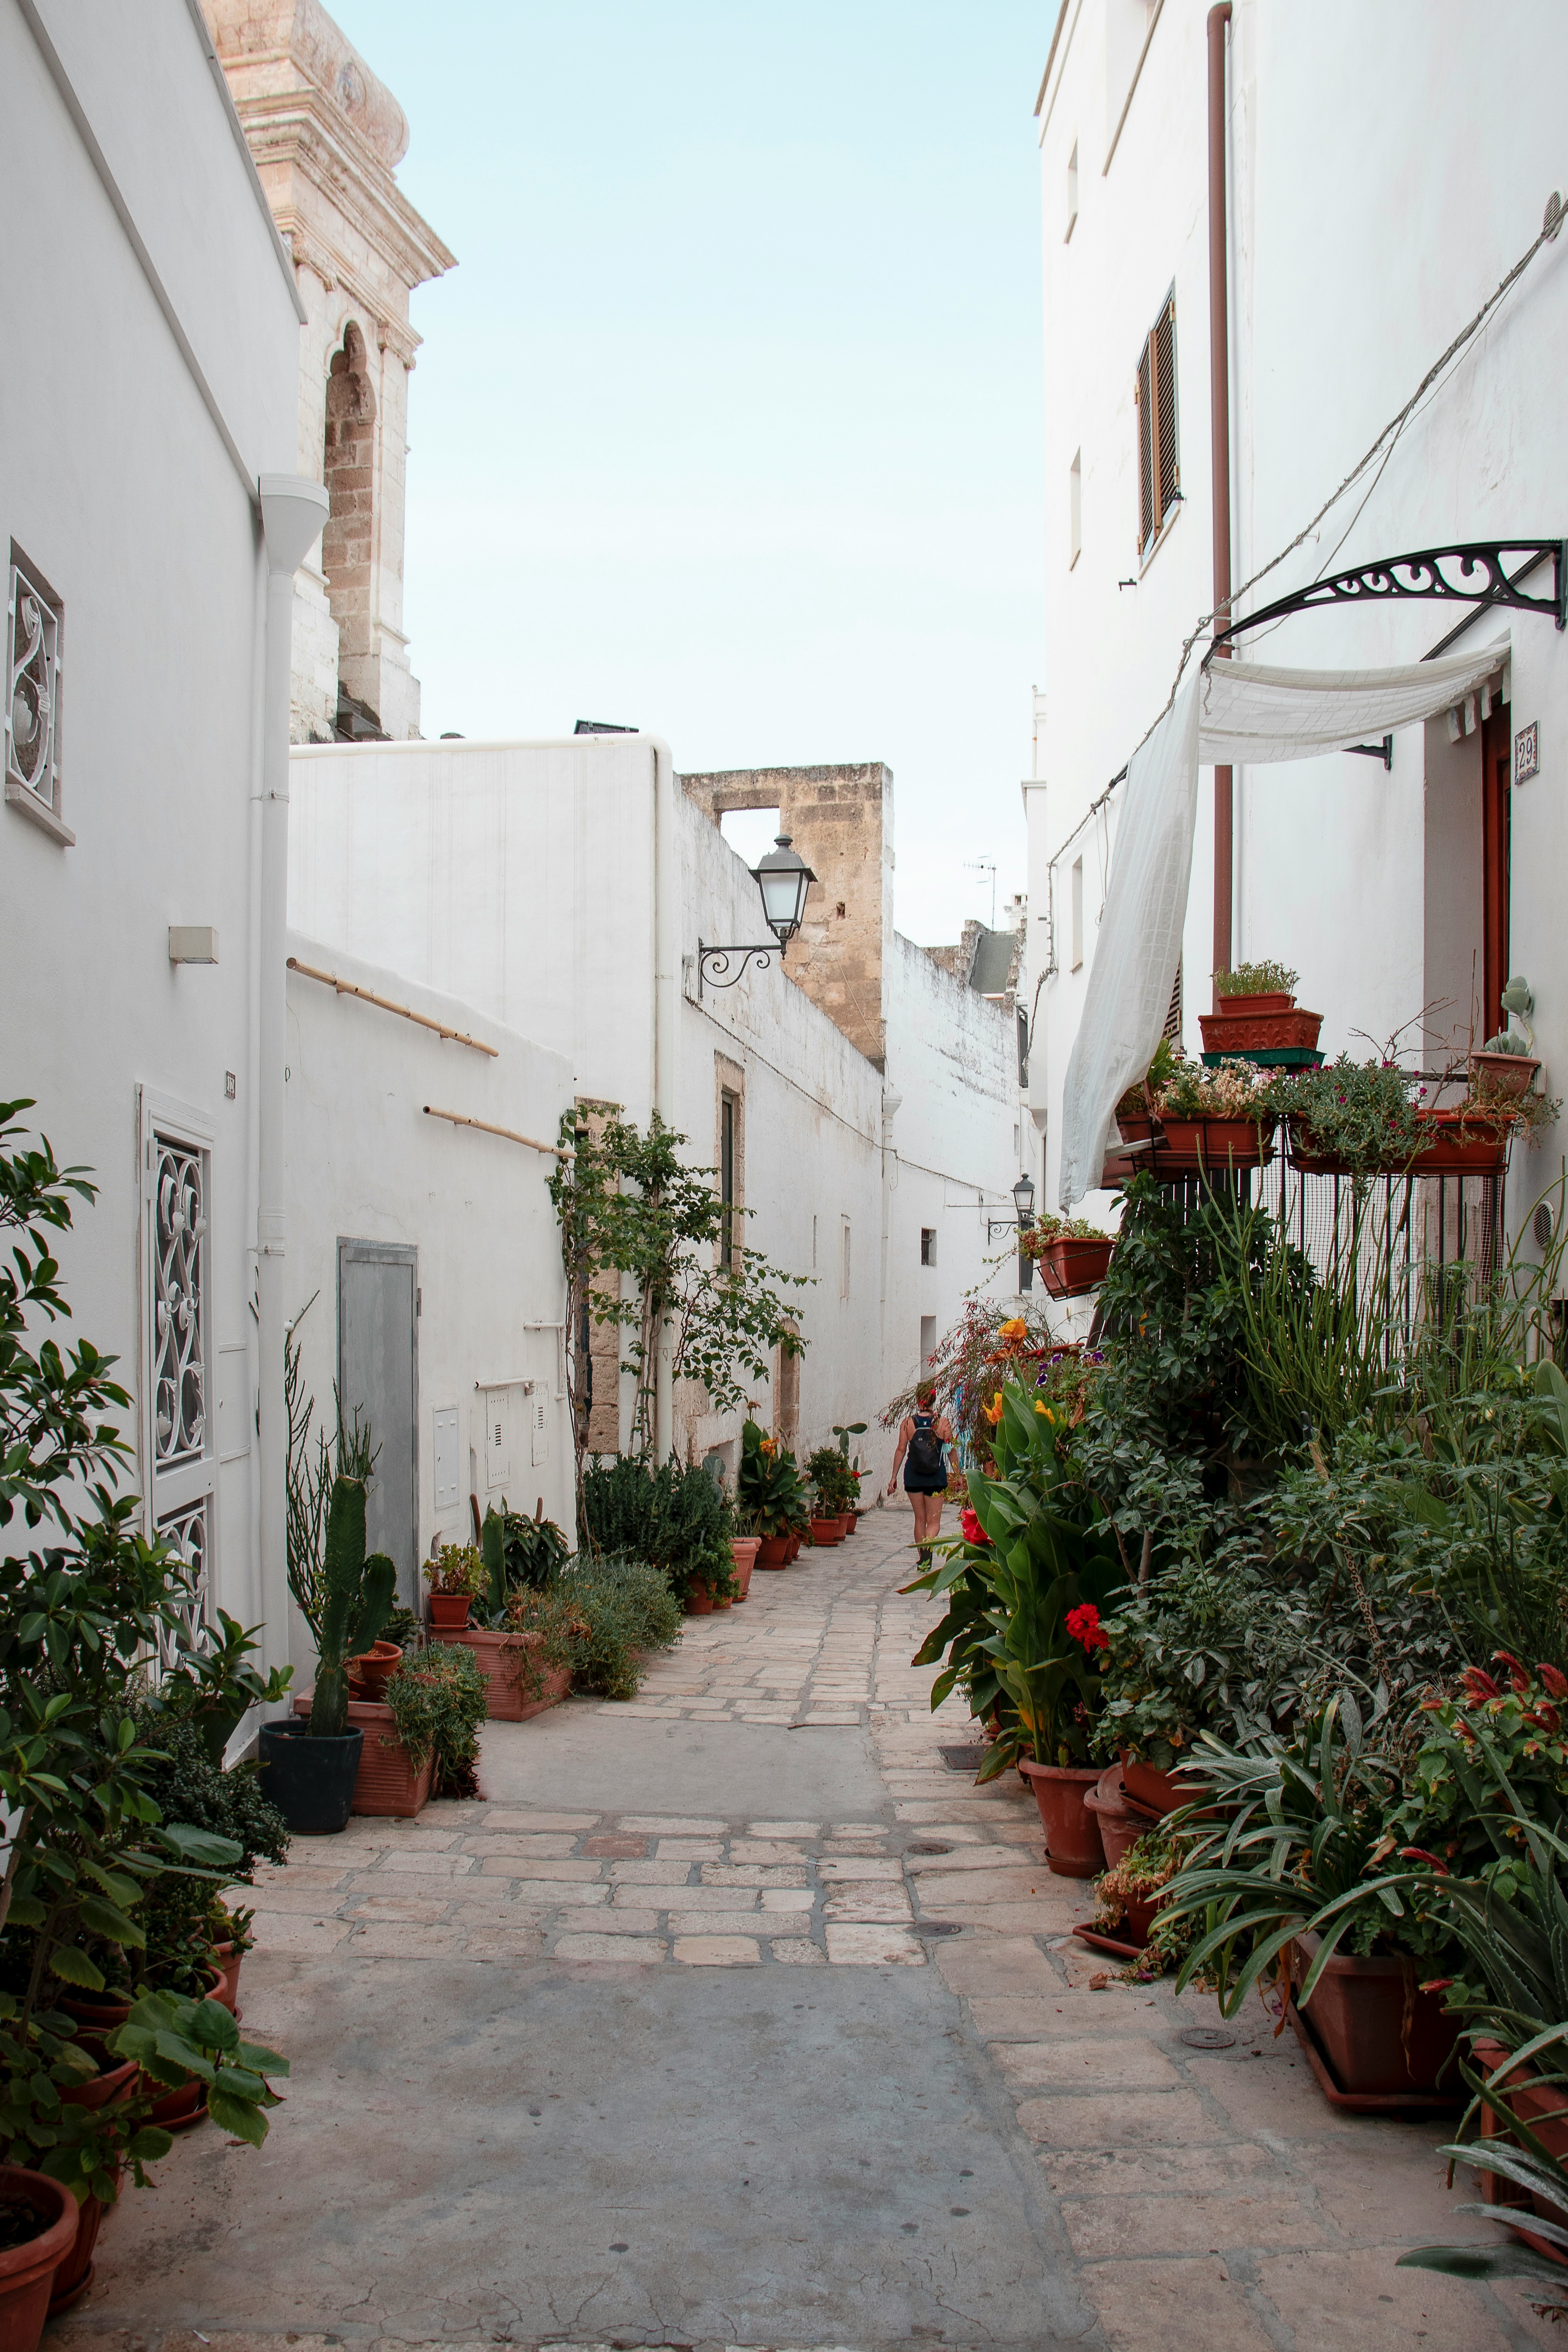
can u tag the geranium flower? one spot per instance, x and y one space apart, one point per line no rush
1083 1626
972 1531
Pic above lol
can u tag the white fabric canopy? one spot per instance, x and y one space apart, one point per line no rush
1233 714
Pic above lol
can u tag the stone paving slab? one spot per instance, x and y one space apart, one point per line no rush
774 2025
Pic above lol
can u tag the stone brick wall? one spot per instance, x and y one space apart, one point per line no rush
840 821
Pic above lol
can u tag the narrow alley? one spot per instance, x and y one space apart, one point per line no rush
738 2016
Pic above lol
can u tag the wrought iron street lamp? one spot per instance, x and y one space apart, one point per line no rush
1023 1201
784 878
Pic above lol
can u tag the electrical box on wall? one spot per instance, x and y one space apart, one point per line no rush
539 1424
499 1409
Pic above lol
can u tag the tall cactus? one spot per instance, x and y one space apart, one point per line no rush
360 1596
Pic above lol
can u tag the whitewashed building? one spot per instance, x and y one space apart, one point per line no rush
567 890
1265 227
152 523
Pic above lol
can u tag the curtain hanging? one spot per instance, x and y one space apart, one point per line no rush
1237 714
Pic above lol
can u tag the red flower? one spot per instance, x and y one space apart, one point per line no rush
1419 1853
1084 1625
972 1531
1516 1673
1479 1686
1556 1682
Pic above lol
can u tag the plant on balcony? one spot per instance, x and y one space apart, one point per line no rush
1262 979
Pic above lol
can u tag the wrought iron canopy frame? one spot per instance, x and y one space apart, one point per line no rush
1481 572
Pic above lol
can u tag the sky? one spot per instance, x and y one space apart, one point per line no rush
728 423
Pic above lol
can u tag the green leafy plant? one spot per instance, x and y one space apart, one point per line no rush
518 1551
678 1520
1318 1353
357 1596
174 2038
598 1619
1160 1071
629 1206
456 1569
180 1914
1361 1114
438 1701
1256 980
836 1485
770 1497
311 1471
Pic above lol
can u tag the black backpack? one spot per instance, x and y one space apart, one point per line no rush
925 1453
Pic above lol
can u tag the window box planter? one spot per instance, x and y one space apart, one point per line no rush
1199 1143
513 1689
1378 2034
1070 1268
1544 2107
386 1782
1311 1157
1464 1142
1073 1847
1252 1025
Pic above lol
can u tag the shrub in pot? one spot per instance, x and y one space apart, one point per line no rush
308 1768
770 1495
675 1518
456 1576
438 1702
597 1619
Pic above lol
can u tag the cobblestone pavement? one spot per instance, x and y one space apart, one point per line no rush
1139 2195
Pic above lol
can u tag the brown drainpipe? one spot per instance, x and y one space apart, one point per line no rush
1219 462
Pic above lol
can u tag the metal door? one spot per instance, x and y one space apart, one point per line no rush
378 1372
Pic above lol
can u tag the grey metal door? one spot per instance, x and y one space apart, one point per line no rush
378 1372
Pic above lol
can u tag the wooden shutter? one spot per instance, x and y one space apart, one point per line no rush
1174 1011
1146 524
1159 471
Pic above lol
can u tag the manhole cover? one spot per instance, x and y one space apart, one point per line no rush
1206 2037
938 1928
926 1848
964 1760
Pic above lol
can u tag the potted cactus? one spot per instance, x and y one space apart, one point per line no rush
308 1767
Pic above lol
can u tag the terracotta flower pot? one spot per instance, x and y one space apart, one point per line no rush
1504 1076
104 2090
514 1689
370 1672
385 1781
1073 1847
227 1962
773 1551
450 1610
1119 1827
743 1551
27 2271
827 1532
845 1524
1256 1025
1070 1268
1156 1792
1544 2109
73 2276
95 2021
796 1540
1473 1144
1378 2032
699 1600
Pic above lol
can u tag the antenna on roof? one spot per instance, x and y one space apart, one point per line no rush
984 865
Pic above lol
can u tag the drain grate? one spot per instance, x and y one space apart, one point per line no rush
964 1760
938 1928
1206 2037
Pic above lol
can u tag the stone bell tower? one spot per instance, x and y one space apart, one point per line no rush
326 136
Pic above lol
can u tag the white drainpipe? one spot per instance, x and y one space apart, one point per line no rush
667 964
293 511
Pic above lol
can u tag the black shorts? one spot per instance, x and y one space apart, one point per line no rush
924 1486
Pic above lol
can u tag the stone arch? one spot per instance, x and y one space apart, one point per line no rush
348 473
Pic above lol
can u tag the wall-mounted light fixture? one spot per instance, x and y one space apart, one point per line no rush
1023 1201
193 943
784 878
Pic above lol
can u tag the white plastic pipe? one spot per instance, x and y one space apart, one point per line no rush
665 1031
293 511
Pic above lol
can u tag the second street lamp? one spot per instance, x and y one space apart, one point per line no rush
783 879
1024 1202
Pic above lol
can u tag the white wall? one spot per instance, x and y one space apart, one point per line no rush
115 480
1376 200
366 1163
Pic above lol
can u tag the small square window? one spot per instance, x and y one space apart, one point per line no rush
32 716
928 1244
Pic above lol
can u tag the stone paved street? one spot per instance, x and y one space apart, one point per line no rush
737 2016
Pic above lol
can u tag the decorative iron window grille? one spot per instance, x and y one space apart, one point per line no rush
187 1532
32 685
1159 469
179 1316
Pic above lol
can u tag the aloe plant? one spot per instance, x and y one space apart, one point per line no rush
360 1595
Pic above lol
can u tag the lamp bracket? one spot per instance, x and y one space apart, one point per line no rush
713 963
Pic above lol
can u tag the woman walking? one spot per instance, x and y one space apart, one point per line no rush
923 1436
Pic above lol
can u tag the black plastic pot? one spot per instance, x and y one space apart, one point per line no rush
311 1781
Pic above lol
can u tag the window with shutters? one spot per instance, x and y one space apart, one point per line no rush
178 1440
1173 1010
1159 467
